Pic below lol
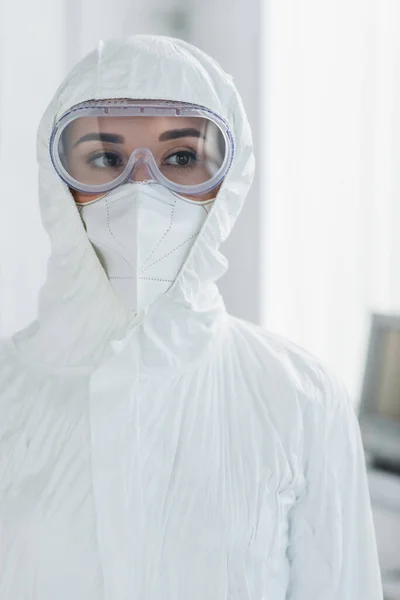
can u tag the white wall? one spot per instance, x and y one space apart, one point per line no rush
332 249
31 63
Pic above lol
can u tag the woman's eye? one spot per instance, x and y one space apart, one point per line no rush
110 161
183 158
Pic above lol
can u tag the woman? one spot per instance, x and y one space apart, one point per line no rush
153 446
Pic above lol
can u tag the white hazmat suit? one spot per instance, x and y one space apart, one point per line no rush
183 453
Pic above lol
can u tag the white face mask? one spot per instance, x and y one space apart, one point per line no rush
142 234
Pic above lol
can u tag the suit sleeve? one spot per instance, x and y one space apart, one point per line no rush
332 550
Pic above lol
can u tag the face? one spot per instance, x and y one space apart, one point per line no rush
178 153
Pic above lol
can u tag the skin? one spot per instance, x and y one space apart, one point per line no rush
137 132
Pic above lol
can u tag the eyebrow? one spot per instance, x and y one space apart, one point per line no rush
113 138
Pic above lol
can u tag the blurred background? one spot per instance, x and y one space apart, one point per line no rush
315 255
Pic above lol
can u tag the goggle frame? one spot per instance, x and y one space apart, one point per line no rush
135 108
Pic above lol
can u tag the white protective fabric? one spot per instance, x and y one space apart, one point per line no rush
184 453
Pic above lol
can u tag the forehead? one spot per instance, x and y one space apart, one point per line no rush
125 125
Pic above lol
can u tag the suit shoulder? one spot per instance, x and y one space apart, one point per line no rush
279 356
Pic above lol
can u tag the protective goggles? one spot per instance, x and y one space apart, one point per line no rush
99 144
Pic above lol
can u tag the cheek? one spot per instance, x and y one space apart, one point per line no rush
80 197
206 196
212 193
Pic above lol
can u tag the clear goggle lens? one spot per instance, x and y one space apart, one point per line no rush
99 145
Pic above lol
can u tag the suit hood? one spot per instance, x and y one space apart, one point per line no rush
79 313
